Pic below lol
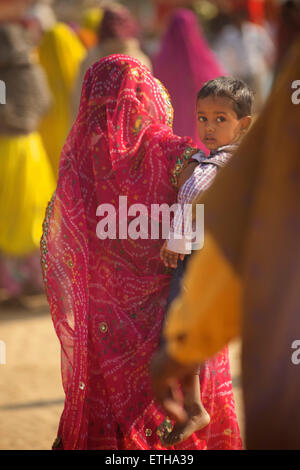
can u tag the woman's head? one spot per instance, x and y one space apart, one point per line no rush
120 78
120 101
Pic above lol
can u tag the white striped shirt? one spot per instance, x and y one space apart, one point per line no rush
182 235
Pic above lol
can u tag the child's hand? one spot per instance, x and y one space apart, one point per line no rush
168 257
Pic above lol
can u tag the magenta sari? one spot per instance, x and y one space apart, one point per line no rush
107 297
184 63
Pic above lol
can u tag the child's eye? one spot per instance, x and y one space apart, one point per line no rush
221 119
202 119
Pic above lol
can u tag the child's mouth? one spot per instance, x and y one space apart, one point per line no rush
209 139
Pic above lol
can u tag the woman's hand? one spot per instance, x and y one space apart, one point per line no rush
187 173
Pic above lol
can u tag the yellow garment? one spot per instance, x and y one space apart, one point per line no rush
61 54
26 185
203 320
249 266
91 19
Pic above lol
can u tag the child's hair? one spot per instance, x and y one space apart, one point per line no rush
234 89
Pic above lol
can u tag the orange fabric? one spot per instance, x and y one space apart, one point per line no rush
207 318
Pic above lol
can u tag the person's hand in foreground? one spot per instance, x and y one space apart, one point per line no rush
166 374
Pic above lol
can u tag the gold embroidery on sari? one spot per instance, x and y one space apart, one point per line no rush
43 244
181 163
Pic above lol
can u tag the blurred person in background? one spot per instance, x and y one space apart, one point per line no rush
60 53
87 28
288 29
117 34
164 9
12 10
183 64
91 19
26 178
38 19
246 49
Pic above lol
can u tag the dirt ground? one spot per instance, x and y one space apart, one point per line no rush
31 394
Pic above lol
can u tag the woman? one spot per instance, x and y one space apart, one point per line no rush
26 179
184 63
108 297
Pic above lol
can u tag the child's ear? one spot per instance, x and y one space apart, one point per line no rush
245 123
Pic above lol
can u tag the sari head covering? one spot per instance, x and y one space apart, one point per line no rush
107 297
184 63
117 34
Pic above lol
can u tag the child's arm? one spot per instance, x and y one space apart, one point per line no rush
199 180
169 257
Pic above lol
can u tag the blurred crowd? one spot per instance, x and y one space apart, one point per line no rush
46 48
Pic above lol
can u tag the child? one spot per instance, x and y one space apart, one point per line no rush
224 114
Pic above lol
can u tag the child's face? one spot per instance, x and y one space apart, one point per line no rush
218 123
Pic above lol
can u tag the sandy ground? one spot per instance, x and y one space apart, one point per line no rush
31 394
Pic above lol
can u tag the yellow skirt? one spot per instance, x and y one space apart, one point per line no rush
26 185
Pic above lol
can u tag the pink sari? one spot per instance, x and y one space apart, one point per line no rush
107 297
184 63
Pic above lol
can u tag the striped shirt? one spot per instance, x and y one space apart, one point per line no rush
182 234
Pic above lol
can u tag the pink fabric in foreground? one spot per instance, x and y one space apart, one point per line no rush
108 297
184 63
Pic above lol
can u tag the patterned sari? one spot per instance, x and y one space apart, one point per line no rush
108 297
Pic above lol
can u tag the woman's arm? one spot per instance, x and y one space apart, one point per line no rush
187 172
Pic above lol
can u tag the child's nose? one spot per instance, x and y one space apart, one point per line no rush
210 126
